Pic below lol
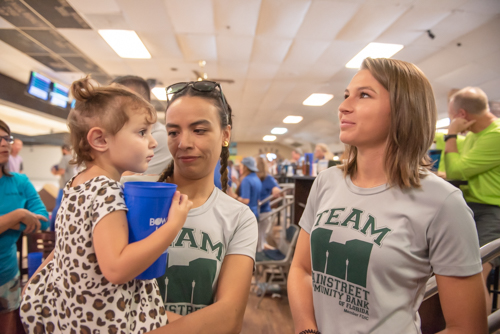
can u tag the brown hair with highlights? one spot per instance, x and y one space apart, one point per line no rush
413 122
105 107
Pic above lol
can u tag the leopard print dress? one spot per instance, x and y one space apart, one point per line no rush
71 295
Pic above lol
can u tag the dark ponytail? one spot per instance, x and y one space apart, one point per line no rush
168 172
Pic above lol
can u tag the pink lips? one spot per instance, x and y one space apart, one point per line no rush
188 158
345 124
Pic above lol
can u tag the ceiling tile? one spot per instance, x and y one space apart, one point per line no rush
277 92
482 7
145 68
52 40
305 52
191 16
236 48
19 15
21 42
262 71
370 21
59 13
90 43
54 63
325 19
468 75
238 17
198 47
146 16
108 21
281 18
161 44
254 92
95 6
270 50
4 24
232 69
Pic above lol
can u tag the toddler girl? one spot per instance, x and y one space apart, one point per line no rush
87 283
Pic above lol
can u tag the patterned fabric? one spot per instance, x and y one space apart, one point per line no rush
10 295
71 294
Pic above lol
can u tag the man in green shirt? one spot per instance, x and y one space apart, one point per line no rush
479 161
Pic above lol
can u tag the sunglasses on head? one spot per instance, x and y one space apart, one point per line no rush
8 139
200 86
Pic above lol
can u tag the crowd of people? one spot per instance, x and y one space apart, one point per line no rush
360 265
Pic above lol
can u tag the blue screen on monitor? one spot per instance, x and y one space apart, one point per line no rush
39 86
59 95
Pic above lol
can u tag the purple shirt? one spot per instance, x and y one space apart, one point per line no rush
15 164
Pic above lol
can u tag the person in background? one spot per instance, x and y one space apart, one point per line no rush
209 267
269 187
15 160
297 156
234 173
66 171
321 151
21 210
162 156
248 192
478 163
376 228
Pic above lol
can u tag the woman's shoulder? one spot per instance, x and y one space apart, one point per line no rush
230 205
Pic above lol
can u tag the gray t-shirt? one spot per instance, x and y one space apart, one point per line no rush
373 249
162 155
69 170
221 226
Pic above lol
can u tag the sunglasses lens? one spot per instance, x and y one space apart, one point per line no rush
175 88
204 86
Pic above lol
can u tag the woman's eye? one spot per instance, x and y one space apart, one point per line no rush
200 131
172 133
363 95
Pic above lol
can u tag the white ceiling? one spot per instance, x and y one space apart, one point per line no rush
279 52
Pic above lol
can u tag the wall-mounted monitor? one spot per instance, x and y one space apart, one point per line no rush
39 86
59 95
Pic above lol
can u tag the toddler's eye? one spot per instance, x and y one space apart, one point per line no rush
142 132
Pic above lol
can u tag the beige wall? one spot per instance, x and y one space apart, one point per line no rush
252 149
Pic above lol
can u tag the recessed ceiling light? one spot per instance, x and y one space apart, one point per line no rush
292 119
443 123
160 93
317 99
269 138
279 131
125 43
374 50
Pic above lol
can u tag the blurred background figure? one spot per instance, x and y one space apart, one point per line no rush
248 192
21 209
162 155
66 171
321 151
269 187
15 160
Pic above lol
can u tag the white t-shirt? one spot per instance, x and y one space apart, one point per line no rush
221 226
162 155
373 250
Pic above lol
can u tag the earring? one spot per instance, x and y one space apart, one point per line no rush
225 144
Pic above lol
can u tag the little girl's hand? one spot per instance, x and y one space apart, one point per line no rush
179 209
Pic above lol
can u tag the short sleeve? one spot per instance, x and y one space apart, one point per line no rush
452 239
245 189
244 238
272 182
109 198
307 220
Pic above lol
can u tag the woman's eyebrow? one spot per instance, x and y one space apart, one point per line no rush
366 87
200 122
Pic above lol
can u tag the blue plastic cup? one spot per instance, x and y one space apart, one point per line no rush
148 204
35 260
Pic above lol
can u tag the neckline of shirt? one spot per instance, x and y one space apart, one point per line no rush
364 191
207 205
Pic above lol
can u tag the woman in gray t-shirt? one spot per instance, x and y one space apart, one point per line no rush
375 229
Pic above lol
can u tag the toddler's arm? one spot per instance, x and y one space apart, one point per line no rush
120 261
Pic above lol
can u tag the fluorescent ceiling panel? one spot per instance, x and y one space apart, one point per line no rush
125 43
279 131
29 124
374 50
443 123
160 93
293 119
269 138
317 99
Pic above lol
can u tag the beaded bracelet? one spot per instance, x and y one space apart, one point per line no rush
310 331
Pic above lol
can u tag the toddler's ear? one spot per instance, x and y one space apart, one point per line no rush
97 139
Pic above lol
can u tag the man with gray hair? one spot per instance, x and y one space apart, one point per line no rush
479 161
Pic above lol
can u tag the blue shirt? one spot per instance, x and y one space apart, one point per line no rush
16 192
217 175
267 187
250 188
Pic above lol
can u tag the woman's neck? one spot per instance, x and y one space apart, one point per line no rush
198 191
370 168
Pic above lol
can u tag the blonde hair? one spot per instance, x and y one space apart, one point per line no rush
471 99
413 122
262 166
106 107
